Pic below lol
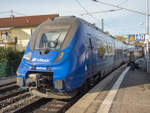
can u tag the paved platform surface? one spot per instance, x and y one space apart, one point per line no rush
127 92
134 94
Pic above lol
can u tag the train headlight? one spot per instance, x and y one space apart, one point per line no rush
59 57
17 73
28 56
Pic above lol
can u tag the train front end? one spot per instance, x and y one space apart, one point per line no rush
46 63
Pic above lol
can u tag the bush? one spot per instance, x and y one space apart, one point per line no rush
9 61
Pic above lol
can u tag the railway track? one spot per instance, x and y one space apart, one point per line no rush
15 100
9 90
11 94
39 105
22 101
27 104
20 104
6 84
8 87
7 81
7 103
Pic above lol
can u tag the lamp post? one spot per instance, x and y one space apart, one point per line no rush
147 36
102 24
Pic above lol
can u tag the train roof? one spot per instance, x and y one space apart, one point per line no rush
74 19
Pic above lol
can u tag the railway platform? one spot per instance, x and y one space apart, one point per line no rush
123 91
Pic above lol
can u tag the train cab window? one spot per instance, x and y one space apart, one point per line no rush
51 40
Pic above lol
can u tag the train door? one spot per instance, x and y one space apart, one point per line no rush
91 56
117 58
115 55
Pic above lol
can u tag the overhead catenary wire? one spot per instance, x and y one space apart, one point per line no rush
112 5
97 12
86 10
2 12
87 13
105 11
122 2
12 12
16 12
19 13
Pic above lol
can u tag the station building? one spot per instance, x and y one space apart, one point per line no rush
15 32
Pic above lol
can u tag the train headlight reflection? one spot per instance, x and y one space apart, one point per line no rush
59 57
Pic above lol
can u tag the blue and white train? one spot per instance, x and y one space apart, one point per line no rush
64 53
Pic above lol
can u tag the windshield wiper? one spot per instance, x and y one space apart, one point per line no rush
57 39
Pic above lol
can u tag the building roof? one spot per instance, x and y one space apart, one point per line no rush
25 21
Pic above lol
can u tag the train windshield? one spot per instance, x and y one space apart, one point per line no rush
54 34
52 39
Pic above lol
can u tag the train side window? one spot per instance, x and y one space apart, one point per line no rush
101 50
110 49
106 48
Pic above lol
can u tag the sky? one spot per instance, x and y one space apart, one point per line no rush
119 22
